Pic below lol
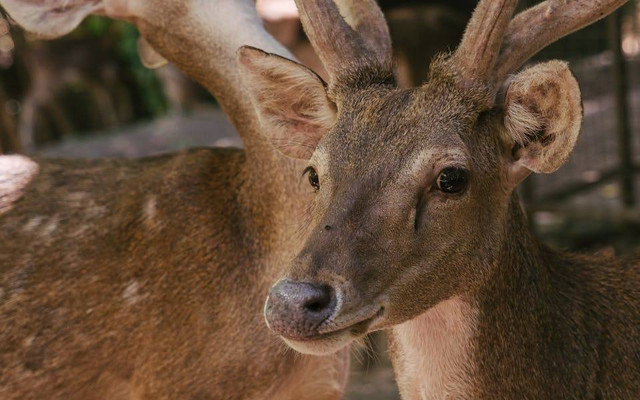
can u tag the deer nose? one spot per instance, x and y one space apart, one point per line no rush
295 310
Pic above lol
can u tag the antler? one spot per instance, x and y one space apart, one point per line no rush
534 29
477 53
201 38
361 43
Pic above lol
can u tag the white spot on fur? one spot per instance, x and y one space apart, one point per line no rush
50 227
150 208
81 231
83 200
433 359
150 212
15 174
95 211
131 293
27 342
32 224
77 197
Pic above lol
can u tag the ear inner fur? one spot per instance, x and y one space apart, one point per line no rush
290 100
543 116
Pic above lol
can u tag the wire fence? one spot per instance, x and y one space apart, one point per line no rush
592 201
602 173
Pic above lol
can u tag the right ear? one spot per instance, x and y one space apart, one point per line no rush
542 120
290 99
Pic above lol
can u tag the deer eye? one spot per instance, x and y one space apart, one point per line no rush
452 180
314 181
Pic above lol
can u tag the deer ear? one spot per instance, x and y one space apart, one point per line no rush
542 118
290 99
50 18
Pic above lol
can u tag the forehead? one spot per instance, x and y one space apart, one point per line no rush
382 127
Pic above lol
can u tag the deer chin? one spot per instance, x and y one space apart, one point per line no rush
334 336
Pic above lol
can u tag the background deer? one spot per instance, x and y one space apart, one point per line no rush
146 279
416 226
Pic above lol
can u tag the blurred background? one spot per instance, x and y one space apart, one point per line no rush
89 95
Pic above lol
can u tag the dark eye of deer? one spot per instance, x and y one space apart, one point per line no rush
313 178
452 180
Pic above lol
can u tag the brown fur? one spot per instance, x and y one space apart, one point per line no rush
146 275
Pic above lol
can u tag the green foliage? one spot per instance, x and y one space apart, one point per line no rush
151 94
124 38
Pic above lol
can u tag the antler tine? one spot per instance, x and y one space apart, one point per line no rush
481 42
363 41
369 21
534 29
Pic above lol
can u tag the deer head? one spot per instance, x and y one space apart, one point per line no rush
413 188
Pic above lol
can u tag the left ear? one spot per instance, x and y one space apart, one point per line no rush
542 118
291 101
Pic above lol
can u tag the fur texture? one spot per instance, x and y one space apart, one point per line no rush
295 119
432 352
145 279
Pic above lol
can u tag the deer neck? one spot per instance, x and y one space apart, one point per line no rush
432 353
531 317
522 261
523 272
436 354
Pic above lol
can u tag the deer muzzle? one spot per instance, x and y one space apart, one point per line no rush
295 310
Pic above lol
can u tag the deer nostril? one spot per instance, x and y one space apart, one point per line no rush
318 300
315 306
296 309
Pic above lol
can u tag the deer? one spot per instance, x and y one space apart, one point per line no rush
416 227
146 279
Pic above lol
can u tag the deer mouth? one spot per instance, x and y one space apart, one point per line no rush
333 336
357 324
